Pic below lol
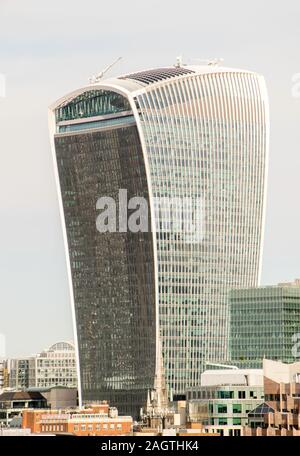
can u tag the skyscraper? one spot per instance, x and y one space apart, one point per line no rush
185 133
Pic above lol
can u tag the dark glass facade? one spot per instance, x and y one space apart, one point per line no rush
112 273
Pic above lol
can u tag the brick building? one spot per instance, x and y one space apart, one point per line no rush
280 412
95 420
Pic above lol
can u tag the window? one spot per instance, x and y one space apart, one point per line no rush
98 427
90 427
222 421
112 426
76 427
237 408
242 395
222 408
248 408
83 427
236 421
225 394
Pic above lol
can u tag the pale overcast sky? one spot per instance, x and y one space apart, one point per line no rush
50 48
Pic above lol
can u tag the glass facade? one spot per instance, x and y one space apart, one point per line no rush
263 322
223 405
205 138
198 136
112 273
92 103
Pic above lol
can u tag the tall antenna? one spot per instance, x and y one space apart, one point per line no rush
96 78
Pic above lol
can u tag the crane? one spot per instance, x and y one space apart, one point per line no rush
96 78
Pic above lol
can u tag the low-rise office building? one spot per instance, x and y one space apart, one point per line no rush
224 399
55 366
18 369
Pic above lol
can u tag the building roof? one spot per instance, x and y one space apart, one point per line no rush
45 389
134 82
156 75
21 396
260 410
245 377
62 346
280 372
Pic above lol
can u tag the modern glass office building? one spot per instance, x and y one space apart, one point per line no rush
264 323
225 408
197 135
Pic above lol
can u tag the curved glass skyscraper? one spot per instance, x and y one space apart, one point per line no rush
193 134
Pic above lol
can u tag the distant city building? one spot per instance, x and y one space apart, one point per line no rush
279 414
96 419
264 323
222 403
2 374
53 367
191 135
5 375
18 373
59 397
12 403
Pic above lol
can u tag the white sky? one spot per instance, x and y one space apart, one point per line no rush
50 48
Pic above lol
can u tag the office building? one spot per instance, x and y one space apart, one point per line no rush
2 374
55 366
222 403
192 142
18 373
265 323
